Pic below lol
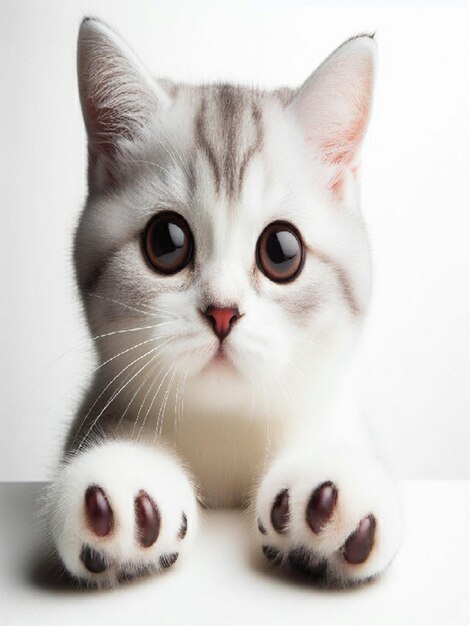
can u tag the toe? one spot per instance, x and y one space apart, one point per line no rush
167 560
359 544
321 506
183 527
271 553
280 512
98 511
92 560
147 520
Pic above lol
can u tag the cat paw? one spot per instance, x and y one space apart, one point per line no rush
332 516
120 510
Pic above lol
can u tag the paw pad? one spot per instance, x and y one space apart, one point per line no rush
92 560
359 544
147 519
100 520
280 512
272 554
167 560
99 514
184 526
261 527
319 512
321 506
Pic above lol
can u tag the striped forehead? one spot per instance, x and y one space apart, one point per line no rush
228 133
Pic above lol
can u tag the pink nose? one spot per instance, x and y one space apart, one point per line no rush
222 319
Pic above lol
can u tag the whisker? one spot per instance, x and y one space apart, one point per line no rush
179 403
152 370
44 370
151 312
95 421
161 413
152 385
122 331
112 381
149 408
66 392
153 400
137 345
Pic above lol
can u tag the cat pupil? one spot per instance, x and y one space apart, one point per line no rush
167 241
282 247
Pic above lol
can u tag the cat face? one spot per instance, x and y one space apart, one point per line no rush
221 241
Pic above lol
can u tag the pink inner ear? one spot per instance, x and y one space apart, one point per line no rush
344 116
341 147
337 184
333 108
341 150
337 188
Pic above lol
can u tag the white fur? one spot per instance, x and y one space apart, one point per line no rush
363 489
122 470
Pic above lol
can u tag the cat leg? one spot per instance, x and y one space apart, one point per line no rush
120 509
331 511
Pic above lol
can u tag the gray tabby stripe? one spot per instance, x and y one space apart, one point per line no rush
94 275
220 132
202 142
231 115
344 281
256 146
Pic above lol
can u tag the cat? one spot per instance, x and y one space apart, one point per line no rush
224 269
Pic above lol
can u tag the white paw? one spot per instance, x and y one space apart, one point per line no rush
334 515
119 510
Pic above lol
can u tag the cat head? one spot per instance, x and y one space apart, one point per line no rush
221 241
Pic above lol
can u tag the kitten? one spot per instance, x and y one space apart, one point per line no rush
225 273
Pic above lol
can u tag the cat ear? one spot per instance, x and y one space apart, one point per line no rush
333 105
117 95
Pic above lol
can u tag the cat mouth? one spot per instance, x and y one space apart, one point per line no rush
219 362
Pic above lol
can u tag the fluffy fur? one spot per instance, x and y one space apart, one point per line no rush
280 412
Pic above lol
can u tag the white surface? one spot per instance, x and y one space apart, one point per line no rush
222 581
415 198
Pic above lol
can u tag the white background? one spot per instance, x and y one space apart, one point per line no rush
415 200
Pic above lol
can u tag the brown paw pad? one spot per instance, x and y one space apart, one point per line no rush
167 560
98 512
280 512
147 520
321 506
92 560
359 544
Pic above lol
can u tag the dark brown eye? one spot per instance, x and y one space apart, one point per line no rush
168 243
280 252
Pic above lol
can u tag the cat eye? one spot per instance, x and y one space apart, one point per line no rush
279 252
168 242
